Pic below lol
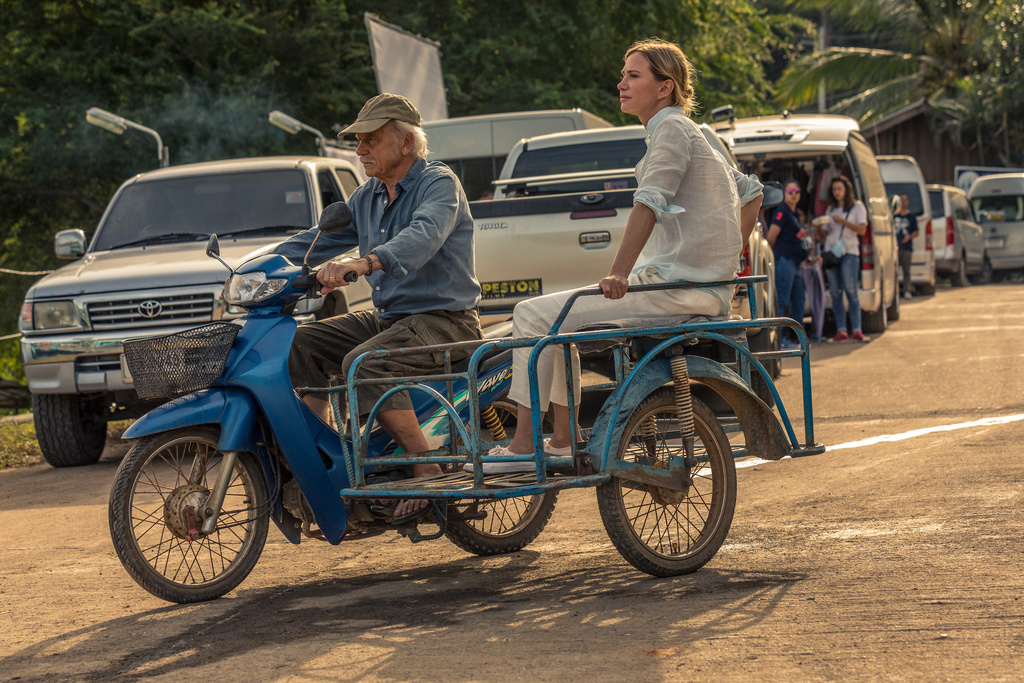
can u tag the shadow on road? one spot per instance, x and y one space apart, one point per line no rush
469 602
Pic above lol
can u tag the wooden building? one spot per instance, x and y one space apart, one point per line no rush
908 131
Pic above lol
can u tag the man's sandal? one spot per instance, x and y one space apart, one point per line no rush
384 508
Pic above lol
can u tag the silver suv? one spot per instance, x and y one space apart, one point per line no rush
145 273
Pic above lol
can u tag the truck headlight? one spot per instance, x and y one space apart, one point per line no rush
248 288
52 315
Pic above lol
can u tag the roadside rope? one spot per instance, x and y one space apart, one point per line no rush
25 272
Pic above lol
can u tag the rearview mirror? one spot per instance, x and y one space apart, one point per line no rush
335 218
69 244
896 203
213 247
773 195
213 251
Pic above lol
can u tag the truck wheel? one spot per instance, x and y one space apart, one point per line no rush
152 515
892 313
875 322
660 531
69 429
985 276
959 276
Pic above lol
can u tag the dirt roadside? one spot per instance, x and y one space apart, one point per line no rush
895 561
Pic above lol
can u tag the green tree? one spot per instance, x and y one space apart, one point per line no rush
957 55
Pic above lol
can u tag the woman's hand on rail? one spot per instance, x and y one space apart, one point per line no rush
614 286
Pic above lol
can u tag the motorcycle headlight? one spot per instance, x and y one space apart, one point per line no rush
250 288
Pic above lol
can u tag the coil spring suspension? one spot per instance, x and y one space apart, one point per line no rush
684 402
491 420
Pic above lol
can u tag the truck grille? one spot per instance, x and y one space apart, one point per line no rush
107 363
151 311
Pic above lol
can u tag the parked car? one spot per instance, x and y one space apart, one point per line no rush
959 242
602 160
998 202
902 175
146 273
811 149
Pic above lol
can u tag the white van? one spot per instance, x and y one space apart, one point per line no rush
475 147
902 175
810 149
998 202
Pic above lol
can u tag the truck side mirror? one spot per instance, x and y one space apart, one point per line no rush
896 204
69 244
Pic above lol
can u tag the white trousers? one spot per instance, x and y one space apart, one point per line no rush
534 318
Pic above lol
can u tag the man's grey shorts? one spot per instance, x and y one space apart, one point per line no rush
326 348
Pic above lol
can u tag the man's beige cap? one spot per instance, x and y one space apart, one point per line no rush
379 110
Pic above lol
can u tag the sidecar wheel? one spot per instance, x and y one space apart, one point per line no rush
508 524
158 484
661 531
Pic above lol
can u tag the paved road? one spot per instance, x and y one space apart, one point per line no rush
895 558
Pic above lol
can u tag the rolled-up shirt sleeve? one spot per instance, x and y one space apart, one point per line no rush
432 222
660 173
747 186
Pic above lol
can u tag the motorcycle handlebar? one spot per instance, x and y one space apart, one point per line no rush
310 281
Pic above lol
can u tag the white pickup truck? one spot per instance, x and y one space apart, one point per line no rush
145 272
559 214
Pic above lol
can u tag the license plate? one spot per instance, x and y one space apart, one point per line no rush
126 374
995 242
510 289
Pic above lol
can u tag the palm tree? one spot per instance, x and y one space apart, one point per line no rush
933 49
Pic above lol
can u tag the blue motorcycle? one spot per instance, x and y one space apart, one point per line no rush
236 446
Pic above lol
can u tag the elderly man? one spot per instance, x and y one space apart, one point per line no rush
412 225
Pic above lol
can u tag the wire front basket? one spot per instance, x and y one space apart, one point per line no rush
177 364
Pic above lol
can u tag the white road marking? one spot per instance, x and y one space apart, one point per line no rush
951 330
889 438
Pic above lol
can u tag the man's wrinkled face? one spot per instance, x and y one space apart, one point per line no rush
380 152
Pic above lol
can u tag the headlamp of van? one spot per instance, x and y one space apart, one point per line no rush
52 315
251 288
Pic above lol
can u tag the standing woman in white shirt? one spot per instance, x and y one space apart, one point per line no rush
684 225
849 220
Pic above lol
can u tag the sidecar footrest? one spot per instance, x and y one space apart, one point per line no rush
457 485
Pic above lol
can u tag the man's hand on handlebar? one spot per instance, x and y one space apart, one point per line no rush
335 274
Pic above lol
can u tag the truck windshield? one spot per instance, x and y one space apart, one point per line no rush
913 192
582 158
190 209
1000 207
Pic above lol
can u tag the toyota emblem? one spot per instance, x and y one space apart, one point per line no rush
150 308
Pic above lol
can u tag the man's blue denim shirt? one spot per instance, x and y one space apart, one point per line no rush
424 240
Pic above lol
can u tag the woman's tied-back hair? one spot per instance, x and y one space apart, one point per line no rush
668 63
848 198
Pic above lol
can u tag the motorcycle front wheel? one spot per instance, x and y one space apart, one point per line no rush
158 487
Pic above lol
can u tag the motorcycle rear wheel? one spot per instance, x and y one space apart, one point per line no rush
158 485
509 524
